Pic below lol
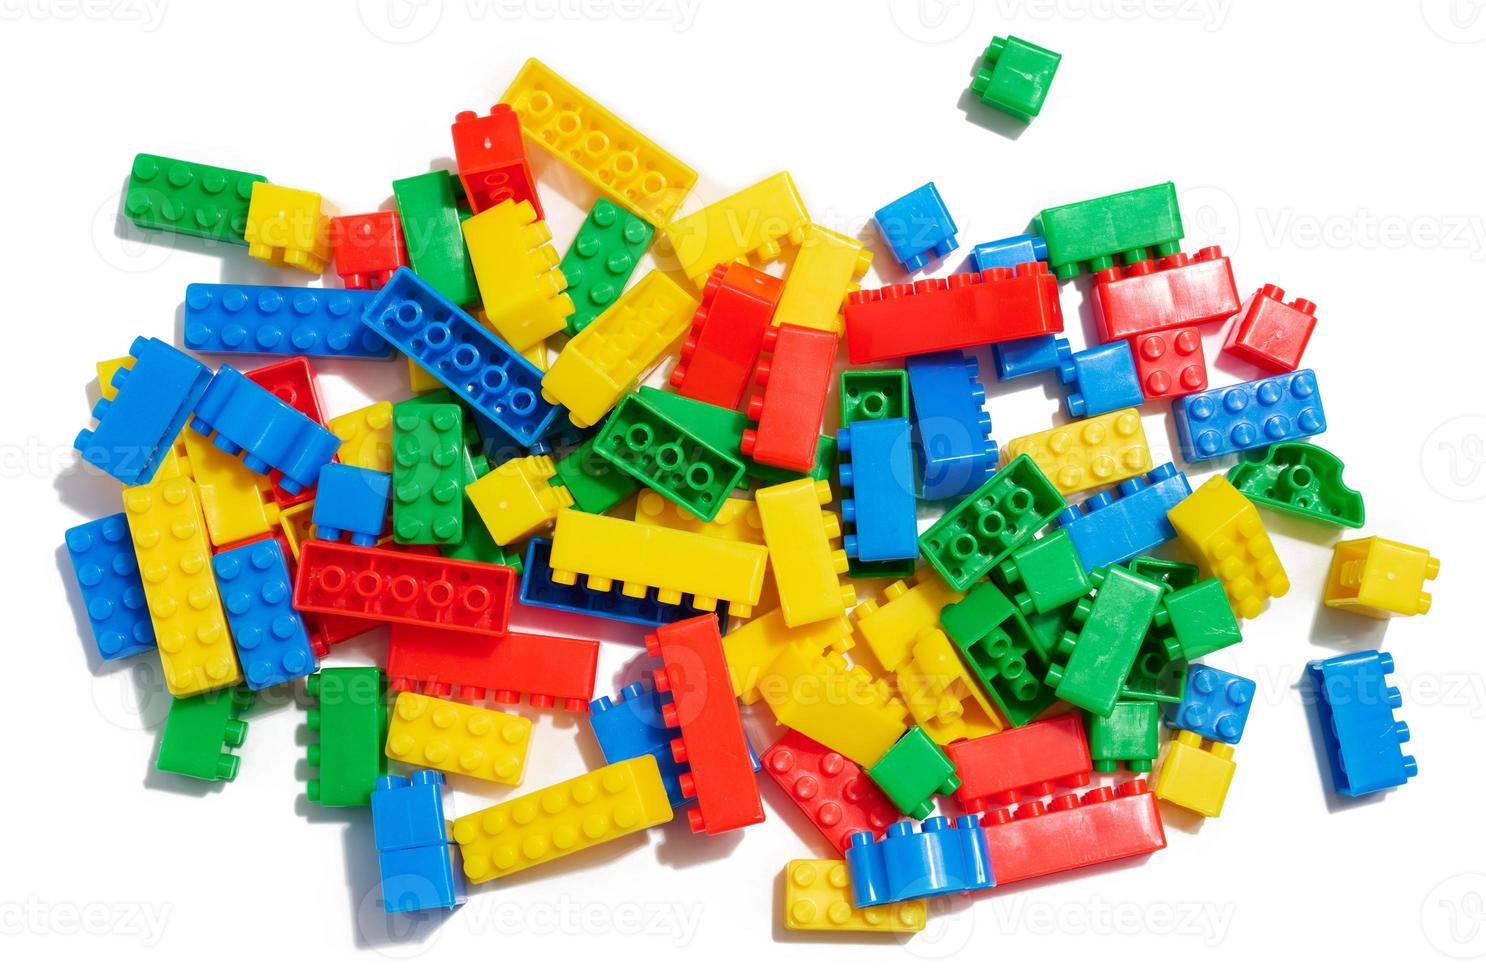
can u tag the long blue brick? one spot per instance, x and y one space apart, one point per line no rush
283 321
875 460
136 428
1364 743
272 643
1249 415
269 432
102 554
1130 518
538 589
952 427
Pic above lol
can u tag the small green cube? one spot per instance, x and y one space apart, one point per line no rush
1131 734
871 395
200 731
1014 76
912 771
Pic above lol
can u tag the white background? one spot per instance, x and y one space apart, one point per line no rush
1333 149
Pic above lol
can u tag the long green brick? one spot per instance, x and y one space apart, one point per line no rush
427 474
1001 650
724 427
1000 516
348 724
199 731
431 207
664 455
1100 648
1117 229
187 198
601 260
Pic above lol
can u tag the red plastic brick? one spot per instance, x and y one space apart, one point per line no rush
1270 333
326 630
367 248
292 381
1105 824
1169 362
552 671
726 334
795 380
1033 760
490 156
1158 294
831 789
702 704
964 310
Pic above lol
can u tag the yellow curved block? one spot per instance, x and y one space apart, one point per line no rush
288 227
1196 776
908 609
458 738
842 707
806 568
752 647
236 502
1380 578
515 499
516 268
1090 452
366 434
817 898
824 272
747 225
1222 530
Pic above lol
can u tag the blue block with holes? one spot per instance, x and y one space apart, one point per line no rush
1008 253
1099 379
952 429
878 506
917 227
282 321
1126 520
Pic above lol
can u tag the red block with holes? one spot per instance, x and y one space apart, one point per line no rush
1270 333
490 156
1158 294
795 378
292 381
1033 760
964 310
551 671
830 789
326 630
699 699
726 334
1105 824
367 248
1170 362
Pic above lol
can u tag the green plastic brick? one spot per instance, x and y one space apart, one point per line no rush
1001 651
1156 676
1099 649
719 426
601 260
427 473
1301 479
1014 76
1044 575
895 568
871 395
1194 622
478 545
595 483
189 198
347 719
1130 734
999 517
1115 230
912 771
1163 571
431 207
200 730
675 462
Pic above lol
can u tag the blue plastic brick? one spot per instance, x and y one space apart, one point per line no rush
269 432
1008 253
1363 741
1216 705
1028 356
479 367
408 811
951 426
917 227
875 463
1249 415
1099 379
102 556
538 589
284 321
352 500
941 858
1126 520
137 427
422 878
272 643
630 726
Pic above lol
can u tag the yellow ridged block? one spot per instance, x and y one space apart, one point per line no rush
825 271
674 563
237 503
752 647
515 500
941 695
1195 775
366 435
176 462
419 380
817 898
521 287
1090 452
1380 578
459 738
750 225
175 563
298 524
596 807
842 707
613 156
738 520
619 347
806 568
908 608
288 227
1222 530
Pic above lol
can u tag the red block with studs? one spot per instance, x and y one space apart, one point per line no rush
292 381
490 156
551 671
1169 363
795 378
1033 760
1270 333
726 334
1159 294
830 789
1105 824
367 248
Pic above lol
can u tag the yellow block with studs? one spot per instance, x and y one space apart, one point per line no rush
1196 775
752 647
750 225
366 434
516 268
458 738
799 535
841 706
1088 453
288 227
817 898
1380 578
515 500
1222 530
824 272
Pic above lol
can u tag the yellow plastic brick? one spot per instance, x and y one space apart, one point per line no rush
608 152
737 520
1222 530
366 435
842 707
1196 776
515 500
750 224
458 738
521 287
752 647
823 274
595 807
806 568
817 898
237 503
1090 452
288 227
539 354
940 693
298 525
908 608
175 564
620 346
674 563
421 381
1380 578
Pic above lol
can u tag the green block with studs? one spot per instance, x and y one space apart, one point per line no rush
912 771
1001 650
601 260
1014 76
1129 735
1043 575
870 395
1000 516
191 199
1117 229
200 731
1194 621
1095 655
428 451
347 719
658 451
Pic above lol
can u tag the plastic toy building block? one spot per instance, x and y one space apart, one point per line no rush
917 228
1014 76
189 198
1363 741
697 697
1100 648
877 502
788 410
999 517
907 610
1222 530
432 207
1030 761
1301 479
824 271
272 644
1270 333
151 402
619 347
868 396
348 725
1008 253
750 224
1026 357
965 310
538 589
1003 652
940 692
242 417
352 501
642 441
817 898
292 382
1158 295
1090 452
752 648
1105 824
1130 734
940 858
1044 574
601 260
458 738
515 265
1196 776
596 807
1249 415
1172 574
200 731
912 771
723 427
1118 229
952 427
606 151
1193 621
286 226
491 159
799 535
421 878
1115 525
726 335
629 725
550 671
736 520
102 555
427 474
367 248
515 499
366 436
1216 706
595 483
1099 380
829 788
1169 363
1380 578
171 547
280 320
843 707
418 863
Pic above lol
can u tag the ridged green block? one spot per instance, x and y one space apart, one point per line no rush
198 732
427 473
1100 647
1118 229
347 719
432 207
189 198
1302 479
1130 735
724 427
1000 516
1014 76
664 455
871 395
912 771
1001 650
601 260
